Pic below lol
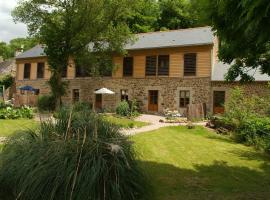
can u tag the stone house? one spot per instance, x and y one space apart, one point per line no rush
169 69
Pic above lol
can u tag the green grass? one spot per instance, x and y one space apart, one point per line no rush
125 122
199 164
8 127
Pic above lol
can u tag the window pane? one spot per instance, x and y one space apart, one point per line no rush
184 98
27 71
163 65
151 64
124 95
82 71
40 70
219 98
128 66
190 60
76 95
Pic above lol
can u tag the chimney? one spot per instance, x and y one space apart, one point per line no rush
19 51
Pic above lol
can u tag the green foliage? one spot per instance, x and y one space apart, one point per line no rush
67 28
79 156
248 119
176 14
46 103
8 50
16 113
144 16
6 80
134 108
242 27
123 109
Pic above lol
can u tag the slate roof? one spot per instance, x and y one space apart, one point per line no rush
37 51
162 39
220 69
175 38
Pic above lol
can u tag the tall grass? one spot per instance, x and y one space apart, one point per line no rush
78 156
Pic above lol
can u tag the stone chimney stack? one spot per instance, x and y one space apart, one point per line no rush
19 51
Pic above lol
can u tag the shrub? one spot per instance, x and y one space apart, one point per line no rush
46 103
246 117
134 108
16 113
123 109
78 156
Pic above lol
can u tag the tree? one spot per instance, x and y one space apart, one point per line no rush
176 14
75 29
144 16
7 50
243 30
4 53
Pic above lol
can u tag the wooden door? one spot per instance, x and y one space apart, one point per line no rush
219 101
153 101
98 103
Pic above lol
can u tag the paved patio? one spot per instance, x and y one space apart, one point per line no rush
155 124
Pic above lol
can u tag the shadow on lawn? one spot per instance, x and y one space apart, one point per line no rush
215 182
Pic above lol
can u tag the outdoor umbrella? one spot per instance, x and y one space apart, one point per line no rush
103 91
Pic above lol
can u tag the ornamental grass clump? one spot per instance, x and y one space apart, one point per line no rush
78 156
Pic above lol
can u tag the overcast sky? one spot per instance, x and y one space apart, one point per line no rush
8 29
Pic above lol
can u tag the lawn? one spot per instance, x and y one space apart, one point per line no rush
8 127
199 164
125 122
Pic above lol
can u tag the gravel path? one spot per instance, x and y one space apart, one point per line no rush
154 124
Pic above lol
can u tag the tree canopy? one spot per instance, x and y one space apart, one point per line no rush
7 50
152 15
243 30
75 29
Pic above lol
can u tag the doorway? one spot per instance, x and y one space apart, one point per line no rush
153 101
219 101
98 103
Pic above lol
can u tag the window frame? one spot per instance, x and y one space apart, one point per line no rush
128 66
76 99
24 71
154 60
81 72
38 67
124 97
185 103
160 57
188 73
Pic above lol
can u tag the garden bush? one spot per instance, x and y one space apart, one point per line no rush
46 103
16 113
127 109
248 119
78 156
123 109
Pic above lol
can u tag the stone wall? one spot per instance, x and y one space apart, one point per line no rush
259 88
169 89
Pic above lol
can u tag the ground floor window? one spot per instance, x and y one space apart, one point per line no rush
219 101
184 98
124 95
36 92
76 95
